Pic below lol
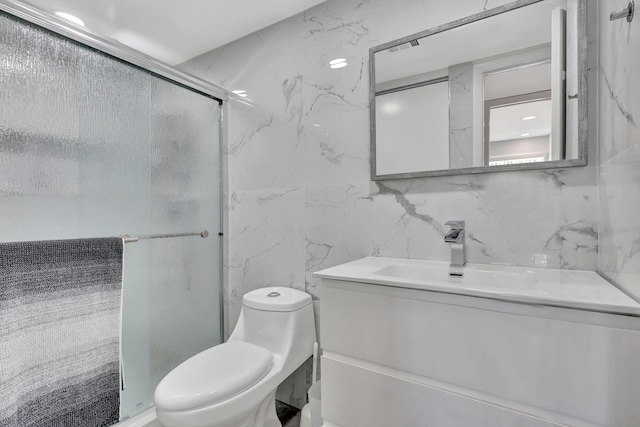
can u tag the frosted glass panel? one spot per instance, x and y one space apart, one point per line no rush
185 172
92 146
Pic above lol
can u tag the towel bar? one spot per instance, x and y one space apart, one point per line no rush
625 13
129 239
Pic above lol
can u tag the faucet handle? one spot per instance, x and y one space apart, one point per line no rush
457 224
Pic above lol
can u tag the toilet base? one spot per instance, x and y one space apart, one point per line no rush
264 415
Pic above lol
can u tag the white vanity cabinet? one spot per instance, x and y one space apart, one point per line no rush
399 354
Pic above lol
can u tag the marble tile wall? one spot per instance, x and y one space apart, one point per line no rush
300 198
619 184
461 115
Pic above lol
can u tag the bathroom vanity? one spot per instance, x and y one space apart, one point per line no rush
407 344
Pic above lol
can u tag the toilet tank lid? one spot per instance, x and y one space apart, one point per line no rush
276 299
212 376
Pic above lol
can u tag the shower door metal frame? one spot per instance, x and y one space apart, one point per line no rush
111 47
134 57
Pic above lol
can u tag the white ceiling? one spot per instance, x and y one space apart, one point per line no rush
507 123
176 31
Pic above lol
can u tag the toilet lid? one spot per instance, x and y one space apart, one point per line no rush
212 376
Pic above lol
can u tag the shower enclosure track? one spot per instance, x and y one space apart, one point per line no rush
112 47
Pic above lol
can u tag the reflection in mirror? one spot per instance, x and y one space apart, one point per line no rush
500 90
405 116
512 139
517 116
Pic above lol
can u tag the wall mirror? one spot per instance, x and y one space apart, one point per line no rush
504 89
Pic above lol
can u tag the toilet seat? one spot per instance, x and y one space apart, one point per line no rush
213 375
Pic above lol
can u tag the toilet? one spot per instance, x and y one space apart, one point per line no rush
234 384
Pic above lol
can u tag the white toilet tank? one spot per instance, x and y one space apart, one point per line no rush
278 319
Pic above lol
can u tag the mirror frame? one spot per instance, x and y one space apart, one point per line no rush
550 164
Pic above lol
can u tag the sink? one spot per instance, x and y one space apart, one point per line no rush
473 276
576 289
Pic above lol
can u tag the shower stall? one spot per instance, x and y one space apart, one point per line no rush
97 140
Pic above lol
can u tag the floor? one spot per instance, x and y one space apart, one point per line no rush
288 415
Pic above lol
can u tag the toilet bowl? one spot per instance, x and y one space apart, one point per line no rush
234 384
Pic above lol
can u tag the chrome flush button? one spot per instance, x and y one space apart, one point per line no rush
273 294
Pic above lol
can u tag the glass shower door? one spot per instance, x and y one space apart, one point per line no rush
92 146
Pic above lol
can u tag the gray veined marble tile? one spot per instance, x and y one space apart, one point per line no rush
461 115
619 147
266 243
292 89
406 219
619 90
333 30
336 126
264 150
619 225
272 51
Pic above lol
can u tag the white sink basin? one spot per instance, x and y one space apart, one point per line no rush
563 288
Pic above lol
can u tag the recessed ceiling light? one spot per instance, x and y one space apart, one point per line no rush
243 95
529 118
71 18
338 65
239 91
525 134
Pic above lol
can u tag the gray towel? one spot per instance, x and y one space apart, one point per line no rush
60 332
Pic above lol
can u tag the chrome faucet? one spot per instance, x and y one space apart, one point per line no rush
455 237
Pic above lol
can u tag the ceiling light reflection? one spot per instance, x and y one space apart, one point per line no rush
71 18
338 63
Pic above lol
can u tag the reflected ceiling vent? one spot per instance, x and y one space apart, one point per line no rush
403 46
